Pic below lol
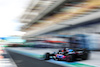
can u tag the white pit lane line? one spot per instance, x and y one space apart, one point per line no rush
7 62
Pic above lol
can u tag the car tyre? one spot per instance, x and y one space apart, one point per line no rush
85 56
47 56
70 58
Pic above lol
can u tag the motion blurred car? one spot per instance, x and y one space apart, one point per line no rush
68 54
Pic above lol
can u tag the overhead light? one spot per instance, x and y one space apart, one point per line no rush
34 13
47 2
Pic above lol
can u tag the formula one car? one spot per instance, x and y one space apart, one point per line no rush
68 54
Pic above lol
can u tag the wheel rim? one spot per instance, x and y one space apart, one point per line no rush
68 58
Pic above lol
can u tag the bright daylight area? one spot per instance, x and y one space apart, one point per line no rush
49 33
10 11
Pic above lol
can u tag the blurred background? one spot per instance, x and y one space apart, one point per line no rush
31 27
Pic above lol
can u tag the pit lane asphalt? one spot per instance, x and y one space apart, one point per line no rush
25 61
